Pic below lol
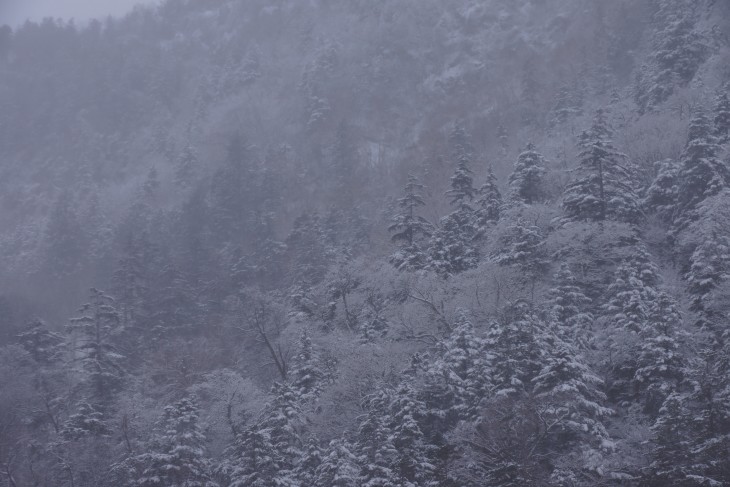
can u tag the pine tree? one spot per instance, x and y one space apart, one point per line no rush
672 444
43 345
703 174
412 464
662 196
87 421
660 365
92 334
569 308
178 457
462 183
410 227
524 248
252 459
488 205
283 423
459 378
375 443
629 303
722 117
339 467
603 187
570 395
305 471
709 267
526 180
306 373
516 344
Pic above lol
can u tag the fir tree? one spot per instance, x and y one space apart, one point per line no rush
339 466
178 457
375 443
488 205
305 471
565 106
43 345
306 374
660 365
569 308
87 421
252 459
92 334
703 174
672 444
524 248
603 187
459 378
410 227
722 117
462 190
629 303
662 196
709 266
526 180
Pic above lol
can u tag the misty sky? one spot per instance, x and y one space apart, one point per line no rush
14 12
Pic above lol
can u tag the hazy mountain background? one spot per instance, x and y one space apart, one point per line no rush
403 243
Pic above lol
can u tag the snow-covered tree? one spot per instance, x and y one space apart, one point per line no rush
569 308
410 228
526 181
92 336
524 248
339 466
709 267
602 188
721 119
703 174
662 196
488 205
177 454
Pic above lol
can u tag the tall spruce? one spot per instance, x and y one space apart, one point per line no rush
602 188
526 181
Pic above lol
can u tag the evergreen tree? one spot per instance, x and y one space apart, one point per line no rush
569 308
503 139
517 346
524 248
703 174
459 378
252 460
305 471
662 196
722 117
526 180
178 457
660 365
409 227
603 187
672 444
87 421
629 303
42 344
308 251
339 467
306 374
283 423
92 335
709 267
412 464
565 107
488 205
375 443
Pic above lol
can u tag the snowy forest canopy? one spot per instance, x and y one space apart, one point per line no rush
413 243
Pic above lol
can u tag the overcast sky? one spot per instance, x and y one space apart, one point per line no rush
15 12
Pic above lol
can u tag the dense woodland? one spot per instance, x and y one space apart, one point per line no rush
414 243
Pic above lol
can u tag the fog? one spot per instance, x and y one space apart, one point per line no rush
365 243
15 12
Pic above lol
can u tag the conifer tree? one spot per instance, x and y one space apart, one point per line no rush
43 345
702 174
339 466
92 333
410 228
569 308
375 443
672 444
252 459
178 454
305 471
488 205
524 248
662 196
709 266
526 180
503 139
629 303
87 421
660 365
306 373
565 106
602 188
722 117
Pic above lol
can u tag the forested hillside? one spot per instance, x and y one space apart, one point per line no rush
413 243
